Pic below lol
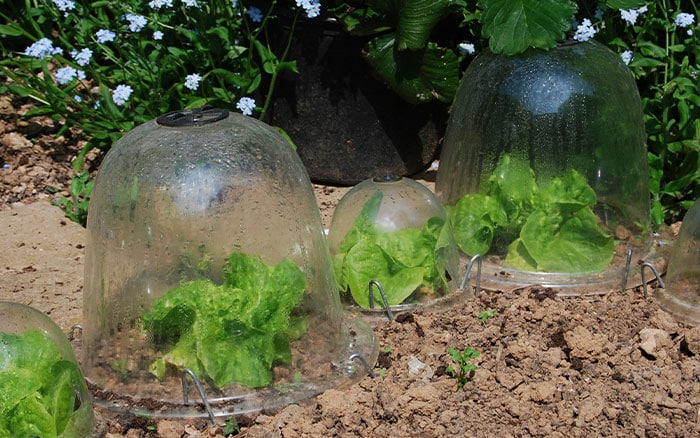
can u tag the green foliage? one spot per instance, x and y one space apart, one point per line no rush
514 26
550 227
233 332
464 365
38 389
487 314
664 62
406 51
401 261
75 208
183 54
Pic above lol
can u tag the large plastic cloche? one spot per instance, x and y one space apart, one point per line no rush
681 297
206 259
544 169
42 390
392 232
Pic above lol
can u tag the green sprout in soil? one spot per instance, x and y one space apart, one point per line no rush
465 368
486 315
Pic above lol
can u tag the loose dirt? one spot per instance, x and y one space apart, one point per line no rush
608 365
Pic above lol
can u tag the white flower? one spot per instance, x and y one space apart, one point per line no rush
192 81
585 31
64 5
684 20
312 8
157 35
627 56
466 48
631 15
191 3
246 105
121 94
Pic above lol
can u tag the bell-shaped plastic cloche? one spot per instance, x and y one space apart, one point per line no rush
207 268
42 389
544 170
681 297
392 232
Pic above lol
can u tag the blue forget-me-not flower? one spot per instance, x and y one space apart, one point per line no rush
64 5
82 58
42 48
121 94
466 48
192 81
136 22
585 31
255 14
157 35
105 36
631 15
246 105
627 56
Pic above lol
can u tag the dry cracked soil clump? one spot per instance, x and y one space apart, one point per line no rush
604 365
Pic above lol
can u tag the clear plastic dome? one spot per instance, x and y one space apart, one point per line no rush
206 257
42 390
394 231
681 297
544 168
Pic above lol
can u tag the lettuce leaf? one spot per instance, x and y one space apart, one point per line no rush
545 228
38 388
401 261
234 332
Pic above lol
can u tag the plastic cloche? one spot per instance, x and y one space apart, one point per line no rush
206 264
681 297
393 232
544 170
42 389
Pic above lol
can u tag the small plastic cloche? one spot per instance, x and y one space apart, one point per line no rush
392 232
206 263
42 390
681 297
544 172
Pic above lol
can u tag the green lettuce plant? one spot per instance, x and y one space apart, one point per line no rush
549 227
232 332
402 261
38 389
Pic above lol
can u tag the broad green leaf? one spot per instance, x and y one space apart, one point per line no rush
575 244
417 76
512 26
474 220
624 4
416 19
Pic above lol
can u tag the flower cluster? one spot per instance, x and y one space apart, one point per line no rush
585 31
43 49
631 15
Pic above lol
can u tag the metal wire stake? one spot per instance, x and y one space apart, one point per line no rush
73 328
361 358
381 292
628 266
656 273
476 259
202 395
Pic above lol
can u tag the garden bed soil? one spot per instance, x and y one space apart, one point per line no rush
613 364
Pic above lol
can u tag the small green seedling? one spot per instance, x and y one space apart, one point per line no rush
75 208
486 315
462 358
231 427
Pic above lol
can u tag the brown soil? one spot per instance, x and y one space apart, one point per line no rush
615 364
